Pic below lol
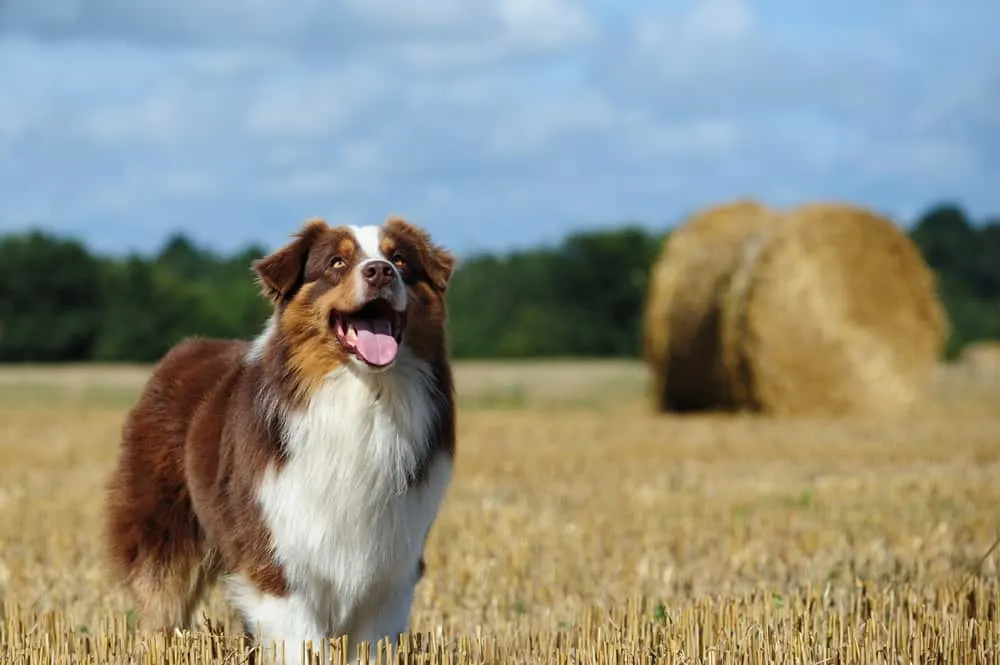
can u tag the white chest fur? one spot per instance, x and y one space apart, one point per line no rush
345 527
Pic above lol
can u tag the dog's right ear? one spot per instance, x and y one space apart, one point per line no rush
281 273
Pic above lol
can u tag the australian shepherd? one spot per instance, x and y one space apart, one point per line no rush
303 468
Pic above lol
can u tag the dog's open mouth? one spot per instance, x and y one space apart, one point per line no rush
372 333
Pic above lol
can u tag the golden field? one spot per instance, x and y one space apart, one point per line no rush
581 528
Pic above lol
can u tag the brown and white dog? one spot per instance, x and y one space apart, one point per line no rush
305 467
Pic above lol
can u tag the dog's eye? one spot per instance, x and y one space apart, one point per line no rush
399 260
338 263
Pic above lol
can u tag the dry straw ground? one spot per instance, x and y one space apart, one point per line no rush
982 357
820 309
582 528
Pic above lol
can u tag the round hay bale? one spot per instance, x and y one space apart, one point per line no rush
681 318
981 358
832 312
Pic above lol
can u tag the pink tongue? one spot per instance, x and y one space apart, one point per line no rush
375 342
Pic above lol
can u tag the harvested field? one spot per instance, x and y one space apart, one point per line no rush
581 528
982 358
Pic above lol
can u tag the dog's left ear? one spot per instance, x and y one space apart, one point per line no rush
281 274
438 262
440 266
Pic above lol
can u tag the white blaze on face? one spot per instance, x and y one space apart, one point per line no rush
369 244
369 247
369 239
374 338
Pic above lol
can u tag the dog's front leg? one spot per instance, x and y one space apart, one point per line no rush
383 618
286 623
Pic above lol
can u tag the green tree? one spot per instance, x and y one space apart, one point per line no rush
581 297
602 278
945 236
51 301
966 259
487 300
144 314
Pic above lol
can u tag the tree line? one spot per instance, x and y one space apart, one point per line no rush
60 302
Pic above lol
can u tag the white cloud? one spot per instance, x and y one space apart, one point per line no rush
717 21
546 25
500 122
156 119
528 131
188 184
443 33
408 18
308 183
717 56
303 103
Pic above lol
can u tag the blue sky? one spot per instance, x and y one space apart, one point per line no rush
494 123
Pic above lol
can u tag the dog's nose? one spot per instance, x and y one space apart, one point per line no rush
378 273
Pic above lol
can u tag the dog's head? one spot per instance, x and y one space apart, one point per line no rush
350 294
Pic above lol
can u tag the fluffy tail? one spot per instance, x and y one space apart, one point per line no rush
153 540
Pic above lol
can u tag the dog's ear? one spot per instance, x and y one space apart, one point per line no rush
440 266
438 262
281 273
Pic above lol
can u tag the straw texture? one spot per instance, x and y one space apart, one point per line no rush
824 309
